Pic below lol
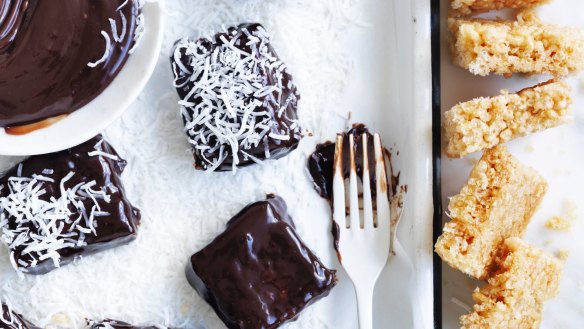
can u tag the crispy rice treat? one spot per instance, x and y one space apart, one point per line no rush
469 7
505 47
497 202
513 298
486 122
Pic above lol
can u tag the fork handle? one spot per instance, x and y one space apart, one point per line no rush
365 308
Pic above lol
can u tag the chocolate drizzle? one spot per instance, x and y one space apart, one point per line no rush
320 163
45 48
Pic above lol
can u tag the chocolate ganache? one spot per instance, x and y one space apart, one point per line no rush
58 55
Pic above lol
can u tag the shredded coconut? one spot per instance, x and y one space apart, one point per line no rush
224 107
184 209
35 224
119 36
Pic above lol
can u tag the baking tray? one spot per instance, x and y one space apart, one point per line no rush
366 61
556 153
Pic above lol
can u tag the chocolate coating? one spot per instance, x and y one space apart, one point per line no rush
115 324
118 228
321 162
280 106
258 273
12 320
45 46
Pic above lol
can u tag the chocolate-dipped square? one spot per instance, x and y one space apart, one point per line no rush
115 324
258 273
238 101
12 320
58 206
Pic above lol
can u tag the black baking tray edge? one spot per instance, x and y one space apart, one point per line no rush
436 151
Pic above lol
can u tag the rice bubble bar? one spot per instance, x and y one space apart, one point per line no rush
57 207
506 47
469 7
497 202
238 100
524 279
486 122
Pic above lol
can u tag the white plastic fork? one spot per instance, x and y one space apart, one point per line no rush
363 244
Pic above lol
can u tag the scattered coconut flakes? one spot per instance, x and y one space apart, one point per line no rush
229 90
39 222
558 223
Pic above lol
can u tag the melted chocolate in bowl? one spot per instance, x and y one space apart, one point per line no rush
47 52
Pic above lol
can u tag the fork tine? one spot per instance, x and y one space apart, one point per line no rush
339 208
381 185
353 187
368 219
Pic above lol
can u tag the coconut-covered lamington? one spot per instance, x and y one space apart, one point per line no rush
238 101
469 7
497 202
507 47
12 320
488 121
115 324
58 206
525 277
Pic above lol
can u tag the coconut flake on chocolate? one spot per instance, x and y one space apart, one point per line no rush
119 37
25 204
236 95
53 215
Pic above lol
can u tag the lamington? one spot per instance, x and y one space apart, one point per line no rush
57 207
489 121
497 202
115 324
238 100
525 277
469 7
12 320
258 274
506 47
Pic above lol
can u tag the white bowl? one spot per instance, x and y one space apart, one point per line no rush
94 117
